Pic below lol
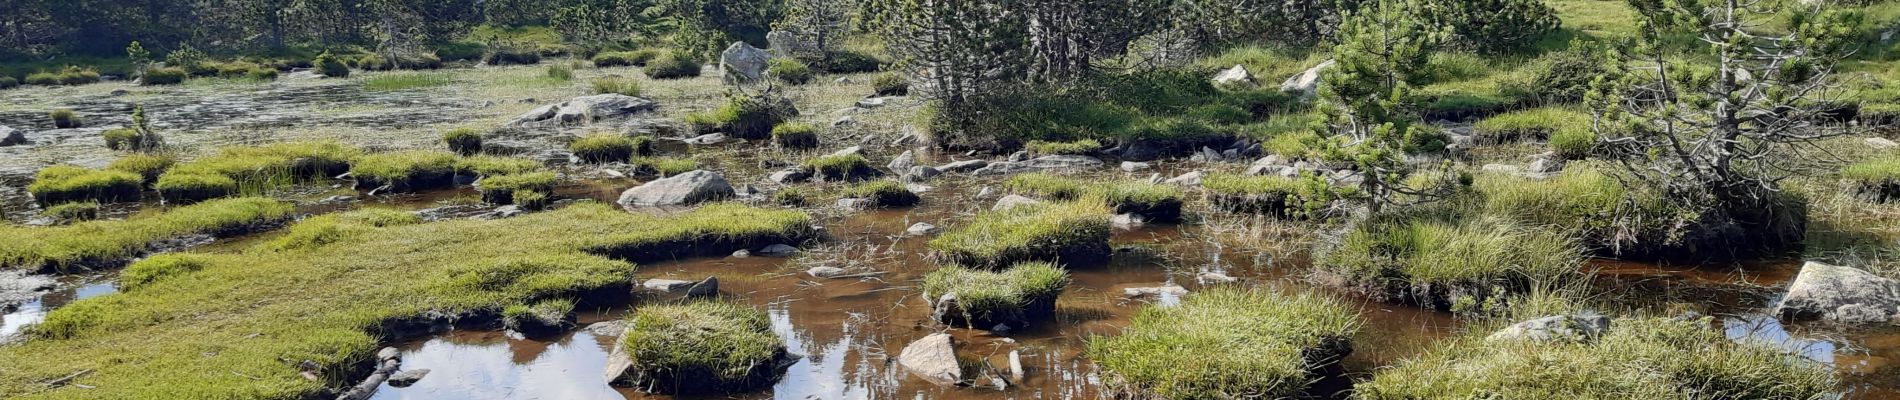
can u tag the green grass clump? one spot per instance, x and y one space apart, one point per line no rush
791 197
1567 130
795 135
120 139
744 117
335 304
1046 185
405 170
65 118
190 188
1639 358
463 141
105 243
561 72
884 194
1073 233
607 147
8 82
65 183
404 81
541 319
148 166
616 84
531 200
662 166
163 76
699 347
1159 203
1612 218
501 189
624 58
789 71
1268 195
1084 146
1227 342
69 76
330 66
259 169
497 165
890 84
1449 265
843 167
74 211
1017 297
325 229
152 269
673 65
1876 179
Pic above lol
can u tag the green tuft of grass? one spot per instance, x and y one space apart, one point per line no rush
1271 195
497 165
744 117
1224 342
890 84
607 147
789 71
65 118
616 84
795 135
703 346
66 183
463 141
259 169
1159 203
884 193
662 166
1084 146
560 72
405 170
147 166
501 189
625 58
195 187
1449 265
106 243
72 212
1074 233
1531 124
393 81
1018 297
673 65
157 267
842 167
1046 185
540 319
1639 358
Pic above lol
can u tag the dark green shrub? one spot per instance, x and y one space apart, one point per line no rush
789 71
890 84
328 65
795 135
459 50
1019 297
463 141
186 188
64 118
847 62
65 184
163 76
697 347
8 82
605 147
1561 76
884 194
673 65
1225 341
625 58
511 54
1495 25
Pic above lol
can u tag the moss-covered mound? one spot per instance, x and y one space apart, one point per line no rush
744 117
883 194
191 188
1155 203
609 147
839 167
253 170
107 243
1622 221
1876 179
1227 343
335 303
1019 297
404 170
541 319
700 347
65 183
1646 358
501 189
72 212
1072 233
463 141
1448 265
795 136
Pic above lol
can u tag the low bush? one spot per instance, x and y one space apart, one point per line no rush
1019 297
616 84
65 183
147 166
8 82
1876 179
539 320
1071 233
847 62
625 58
404 170
72 212
1445 262
501 189
673 65
744 117
561 72
700 347
1680 358
883 194
1561 76
163 76
329 65
839 167
463 141
789 71
106 243
890 84
511 54
157 267
1082 147
1225 341
65 118
607 147
795 135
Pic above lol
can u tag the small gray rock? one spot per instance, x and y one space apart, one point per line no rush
407 377
1131 166
1011 201
778 250
825 272
921 228
903 161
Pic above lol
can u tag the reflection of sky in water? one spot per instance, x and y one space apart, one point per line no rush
569 369
1766 329
819 373
34 311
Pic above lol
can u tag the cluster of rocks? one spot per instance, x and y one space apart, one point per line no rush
388 369
1305 83
934 359
584 110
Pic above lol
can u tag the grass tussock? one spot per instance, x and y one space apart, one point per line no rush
662 166
1072 233
884 194
105 243
1083 147
1463 265
66 183
701 347
616 84
840 167
405 170
1639 358
501 189
1226 342
609 147
254 170
335 303
1875 179
795 136
147 166
394 81
1568 131
1277 196
1158 203
463 141
1018 297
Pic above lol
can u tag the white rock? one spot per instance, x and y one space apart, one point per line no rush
921 228
1236 76
1842 295
933 358
1880 143
1131 166
1307 82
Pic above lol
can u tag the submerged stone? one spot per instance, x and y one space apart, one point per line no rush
407 377
933 358
1842 295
